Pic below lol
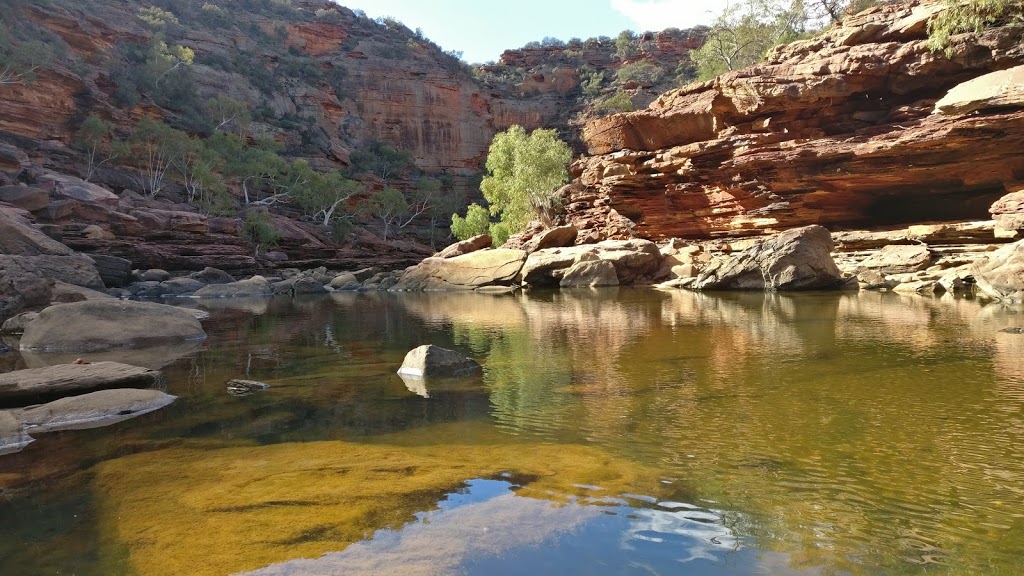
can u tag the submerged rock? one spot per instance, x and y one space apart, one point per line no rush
239 387
797 259
97 325
66 379
92 410
12 434
430 360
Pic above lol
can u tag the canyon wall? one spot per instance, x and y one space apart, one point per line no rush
841 130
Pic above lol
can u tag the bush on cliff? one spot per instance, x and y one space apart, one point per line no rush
523 172
974 17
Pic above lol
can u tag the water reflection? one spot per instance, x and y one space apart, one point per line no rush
834 433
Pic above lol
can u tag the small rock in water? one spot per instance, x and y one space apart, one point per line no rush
1014 330
245 387
430 360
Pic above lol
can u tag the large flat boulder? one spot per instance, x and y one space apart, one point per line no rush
92 410
473 244
496 267
633 259
98 325
797 259
1000 89
898 259
67 379
1001 276
25 197
255 286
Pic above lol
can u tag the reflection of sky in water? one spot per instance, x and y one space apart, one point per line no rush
487 529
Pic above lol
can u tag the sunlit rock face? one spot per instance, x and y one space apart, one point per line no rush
839 130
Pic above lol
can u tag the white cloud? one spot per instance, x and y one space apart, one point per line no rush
661 14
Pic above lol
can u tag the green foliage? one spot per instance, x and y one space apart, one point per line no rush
156 17
380 159
389 205
327 15
325 196
21 60
158 69
523 173
91 140
614 104
477 221
643 73
258 229
228 114
591 82
214 16
960 17
743 33
625 44
155 147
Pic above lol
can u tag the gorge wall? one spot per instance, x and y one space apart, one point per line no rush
840 130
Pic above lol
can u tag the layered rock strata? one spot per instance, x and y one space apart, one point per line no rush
840 130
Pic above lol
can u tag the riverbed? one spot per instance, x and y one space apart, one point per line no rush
618 431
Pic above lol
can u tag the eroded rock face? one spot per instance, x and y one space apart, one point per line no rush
798 259
466 246
98 325
498 267
899 259
836 130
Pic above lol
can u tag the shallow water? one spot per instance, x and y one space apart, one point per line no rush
612 432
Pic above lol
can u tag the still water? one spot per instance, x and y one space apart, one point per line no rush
612 432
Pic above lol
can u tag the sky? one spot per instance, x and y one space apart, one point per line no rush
483 29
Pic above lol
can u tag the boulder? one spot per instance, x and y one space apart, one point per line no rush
308 285
590 274
155 275
633 259
173 220
1008 211
433 361
16 324
466 246
797 259
1000 89
558 237
80 190
343 279
481 268
67 379
212 276
64 292
76 269
898 259
255 286
25 197
97 325
92 410
179 286
1001 275
115 272
19 238
12 434
22 285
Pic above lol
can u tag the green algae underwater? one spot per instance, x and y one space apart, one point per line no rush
612 432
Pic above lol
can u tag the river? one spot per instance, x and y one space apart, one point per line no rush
620 431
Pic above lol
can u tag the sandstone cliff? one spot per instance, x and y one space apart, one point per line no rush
840 130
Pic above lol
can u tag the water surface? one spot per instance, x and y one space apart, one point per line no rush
612 432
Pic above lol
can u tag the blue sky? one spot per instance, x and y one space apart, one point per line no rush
482 29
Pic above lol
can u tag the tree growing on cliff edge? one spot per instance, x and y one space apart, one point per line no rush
91 141
961 17
523 172
19 61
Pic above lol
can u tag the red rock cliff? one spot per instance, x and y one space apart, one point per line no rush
839 130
